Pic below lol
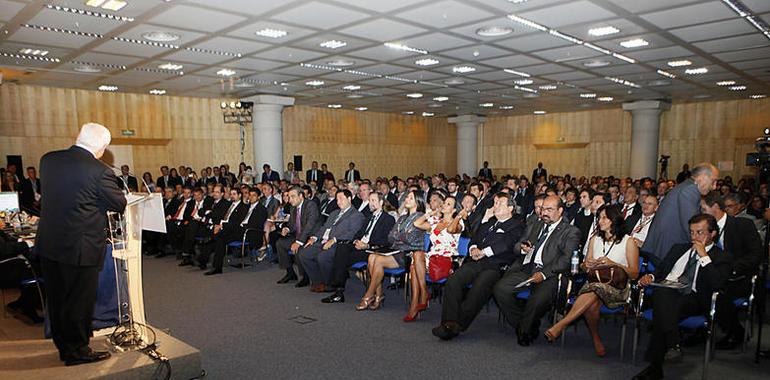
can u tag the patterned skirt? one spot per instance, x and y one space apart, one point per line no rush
610 296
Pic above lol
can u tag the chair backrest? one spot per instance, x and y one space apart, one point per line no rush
426 246
462 246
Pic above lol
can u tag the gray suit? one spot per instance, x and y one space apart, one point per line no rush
670 225
317 262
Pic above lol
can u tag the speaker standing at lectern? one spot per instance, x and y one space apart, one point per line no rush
71 238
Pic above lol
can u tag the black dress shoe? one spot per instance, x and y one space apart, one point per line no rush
337 297
185 262
89 357
523 339
446 331
302 283
287 278
213 272
652 372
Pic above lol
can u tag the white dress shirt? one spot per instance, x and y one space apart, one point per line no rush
642 227
681 264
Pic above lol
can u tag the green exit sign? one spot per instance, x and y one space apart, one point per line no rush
127 132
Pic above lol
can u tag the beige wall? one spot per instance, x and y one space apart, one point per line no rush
598 142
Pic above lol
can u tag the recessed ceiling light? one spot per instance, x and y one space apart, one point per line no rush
524 82
414 95
606 99
355 96
314 83
758 96
634 43
441 98
108 87
361 108
335 106
407 113
700 70
519 73
530 95
427 114
679 63
603 31
588 95
737 88
226 72
517 1
539 112
506 107
170 66
333 44
87 69
157 91
463 69
726 83
548 87
29 51
487 105
426 62
160 36
341 63
659 82
454 81
596 63
352 87
494 31
271 33
435 105
398 46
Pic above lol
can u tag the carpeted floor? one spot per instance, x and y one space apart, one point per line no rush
248 327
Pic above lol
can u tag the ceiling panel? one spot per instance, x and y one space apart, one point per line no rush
188 17
8 9
444 14
382 30
320 16
713 30
703 11
569 13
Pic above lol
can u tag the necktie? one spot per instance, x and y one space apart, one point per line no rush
688 276
538 243
314 176
298 220
369 227
339 216
641 224
246 220
179 210
229 211
625 211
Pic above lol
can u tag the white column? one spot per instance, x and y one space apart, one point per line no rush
645 132
467 129
267 130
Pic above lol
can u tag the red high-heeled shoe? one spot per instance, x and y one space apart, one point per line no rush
424 306
412 318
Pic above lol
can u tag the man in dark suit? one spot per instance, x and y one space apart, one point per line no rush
739 238
539 172
195 225
632 209
329 203
269 175
163 180
491 248
526 197
352 174
546 247
71 239
317 254
680 204
327 175
485 171
179 219
314 174
212 223
373 235
225 229
244 216
303 221
269 201
30 192
127 178
695 270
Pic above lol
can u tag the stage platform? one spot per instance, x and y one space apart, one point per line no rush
32 359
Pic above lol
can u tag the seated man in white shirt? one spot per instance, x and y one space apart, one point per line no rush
639 231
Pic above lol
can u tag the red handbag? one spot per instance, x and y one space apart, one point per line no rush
439 267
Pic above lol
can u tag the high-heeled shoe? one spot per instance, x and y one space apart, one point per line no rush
412 318
378 302
600 352
551 337
364 304
424 306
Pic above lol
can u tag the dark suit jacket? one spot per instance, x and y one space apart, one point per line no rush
634 217
583 222
217 211
526 201
329 175
346 227
161 182
187 214
274 176
356 175
710 278
393 200
173 181
257 222
670 225
133 184
319 177
271 207
380 231
536 175
310 219
742 241
328 206
236 217
79 191
487 173
501 239
27 196
557 250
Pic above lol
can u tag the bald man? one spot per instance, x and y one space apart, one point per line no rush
71 239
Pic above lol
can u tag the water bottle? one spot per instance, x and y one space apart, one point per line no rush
574 263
